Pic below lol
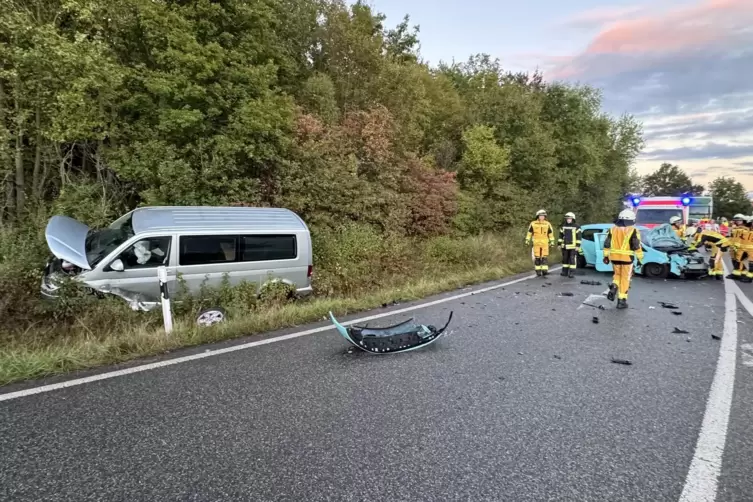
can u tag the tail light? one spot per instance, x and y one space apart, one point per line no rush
310 271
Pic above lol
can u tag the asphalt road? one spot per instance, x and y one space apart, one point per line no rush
519 402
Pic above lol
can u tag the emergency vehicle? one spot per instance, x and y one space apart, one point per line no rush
653 211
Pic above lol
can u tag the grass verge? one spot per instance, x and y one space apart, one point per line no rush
25 362
93 333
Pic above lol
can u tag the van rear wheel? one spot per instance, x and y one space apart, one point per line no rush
211 316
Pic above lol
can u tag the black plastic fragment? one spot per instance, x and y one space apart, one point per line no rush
591 283
668 305
621 361
557 357
676 312
680 331
566 294
595 320
716 337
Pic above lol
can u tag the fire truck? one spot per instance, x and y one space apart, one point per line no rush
653 211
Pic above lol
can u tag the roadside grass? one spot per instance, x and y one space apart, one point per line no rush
106 331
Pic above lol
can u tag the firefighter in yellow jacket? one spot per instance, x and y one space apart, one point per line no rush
717 244
678 227
622 244
541 233
737 234
746 251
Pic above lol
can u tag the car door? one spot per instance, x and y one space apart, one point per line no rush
599 239
140 261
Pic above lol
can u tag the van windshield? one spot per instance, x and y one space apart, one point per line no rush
102 242
655 216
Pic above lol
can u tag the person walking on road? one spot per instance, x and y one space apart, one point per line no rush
622 245
569 241
541 233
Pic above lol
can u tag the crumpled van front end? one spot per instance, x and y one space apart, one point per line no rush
66 239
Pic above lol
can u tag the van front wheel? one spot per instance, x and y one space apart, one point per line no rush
211 316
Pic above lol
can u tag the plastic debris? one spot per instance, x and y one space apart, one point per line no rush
595 320
676 312
652 308
680 331
600 307
396 338
621 361
566 294
668 305
591 283
557 357
716 337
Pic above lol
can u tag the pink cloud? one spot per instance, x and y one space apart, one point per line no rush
708 24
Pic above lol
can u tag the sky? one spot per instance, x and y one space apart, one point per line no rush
684 68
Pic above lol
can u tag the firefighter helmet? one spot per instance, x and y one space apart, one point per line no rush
674 219
540 212
570 215
626 214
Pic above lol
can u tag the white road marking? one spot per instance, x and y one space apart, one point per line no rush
209 353
746 353
702 480
743 298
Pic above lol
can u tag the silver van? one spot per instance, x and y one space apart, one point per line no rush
201 243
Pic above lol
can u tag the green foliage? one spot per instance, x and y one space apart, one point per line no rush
314 105
669 180
729 197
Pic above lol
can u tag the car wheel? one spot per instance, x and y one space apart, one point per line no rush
581 261
211 316
655 271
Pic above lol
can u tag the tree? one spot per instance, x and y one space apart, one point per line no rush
669 180
729 197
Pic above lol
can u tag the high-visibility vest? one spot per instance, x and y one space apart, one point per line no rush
619 246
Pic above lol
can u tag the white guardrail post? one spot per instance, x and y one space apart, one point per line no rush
164 293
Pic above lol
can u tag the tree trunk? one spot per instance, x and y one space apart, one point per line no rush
35 185
20 182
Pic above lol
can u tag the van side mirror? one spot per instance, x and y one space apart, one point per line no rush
117 265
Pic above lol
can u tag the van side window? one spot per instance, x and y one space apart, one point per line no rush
205 249
268 247
146 253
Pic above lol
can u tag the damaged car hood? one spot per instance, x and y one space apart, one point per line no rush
66 239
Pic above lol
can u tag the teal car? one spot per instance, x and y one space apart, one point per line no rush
670 258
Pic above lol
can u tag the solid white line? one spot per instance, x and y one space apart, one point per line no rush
743 298
702 480
209 353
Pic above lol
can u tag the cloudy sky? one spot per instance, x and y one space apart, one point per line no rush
683 67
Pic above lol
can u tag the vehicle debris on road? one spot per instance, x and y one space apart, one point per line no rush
680 331
622 361
396 338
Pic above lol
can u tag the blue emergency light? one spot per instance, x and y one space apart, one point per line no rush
685 201
636 201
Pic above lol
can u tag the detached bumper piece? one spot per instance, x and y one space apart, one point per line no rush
398 338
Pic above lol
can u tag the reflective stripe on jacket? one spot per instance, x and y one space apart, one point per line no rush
570 236
541 232
622 243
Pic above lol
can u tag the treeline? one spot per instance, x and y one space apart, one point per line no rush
314 105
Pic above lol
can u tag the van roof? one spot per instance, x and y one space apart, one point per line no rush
207 218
